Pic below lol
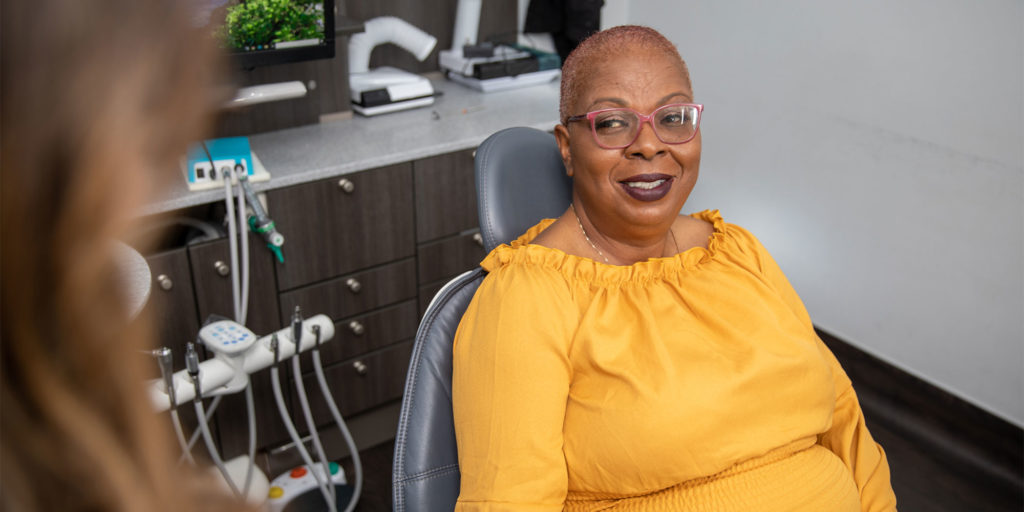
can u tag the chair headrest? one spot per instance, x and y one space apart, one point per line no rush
520 179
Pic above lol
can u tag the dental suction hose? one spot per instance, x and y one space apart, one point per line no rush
192 365
165 361
243 239
322 481
318 367
307 414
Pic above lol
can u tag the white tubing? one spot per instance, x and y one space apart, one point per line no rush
275 380
338 420
311 425
208 439
195 435
387 29
186 448
243 234
232 241
250 409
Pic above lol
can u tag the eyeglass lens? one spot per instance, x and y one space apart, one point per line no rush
673 124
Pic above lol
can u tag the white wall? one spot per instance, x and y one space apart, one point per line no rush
875 147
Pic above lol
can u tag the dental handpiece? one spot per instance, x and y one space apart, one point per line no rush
316 337
297 328
192 365
275 348
166 363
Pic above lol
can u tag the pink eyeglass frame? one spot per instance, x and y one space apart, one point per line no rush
648 118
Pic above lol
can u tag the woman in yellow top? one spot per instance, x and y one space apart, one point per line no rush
625 357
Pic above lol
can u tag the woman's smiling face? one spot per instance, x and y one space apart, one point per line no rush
637 191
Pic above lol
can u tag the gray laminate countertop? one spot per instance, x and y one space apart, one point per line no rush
460 118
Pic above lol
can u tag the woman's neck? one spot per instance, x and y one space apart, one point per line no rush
618 251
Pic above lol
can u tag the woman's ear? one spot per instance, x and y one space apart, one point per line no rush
562 137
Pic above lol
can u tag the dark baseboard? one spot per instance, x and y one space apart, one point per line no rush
973 448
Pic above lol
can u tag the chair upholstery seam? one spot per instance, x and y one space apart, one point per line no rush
431 473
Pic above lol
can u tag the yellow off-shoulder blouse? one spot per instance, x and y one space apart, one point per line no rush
692 382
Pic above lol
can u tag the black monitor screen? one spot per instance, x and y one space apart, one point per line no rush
266 32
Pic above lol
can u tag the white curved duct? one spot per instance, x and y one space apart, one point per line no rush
387 29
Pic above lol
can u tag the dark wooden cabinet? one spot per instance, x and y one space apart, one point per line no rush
353 294
172 302
340 225
449 257
212 274
365 333
362 383
445 195
446 221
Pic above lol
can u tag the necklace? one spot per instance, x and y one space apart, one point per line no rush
574 214
591 242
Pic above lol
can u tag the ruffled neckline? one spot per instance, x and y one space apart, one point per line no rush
521 251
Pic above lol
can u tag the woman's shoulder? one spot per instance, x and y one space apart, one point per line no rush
702 237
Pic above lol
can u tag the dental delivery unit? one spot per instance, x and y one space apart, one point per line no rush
236 353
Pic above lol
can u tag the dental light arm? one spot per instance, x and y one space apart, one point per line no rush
225 374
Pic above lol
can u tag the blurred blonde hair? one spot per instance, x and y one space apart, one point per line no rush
99 100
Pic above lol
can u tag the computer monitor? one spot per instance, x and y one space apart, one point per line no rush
267 32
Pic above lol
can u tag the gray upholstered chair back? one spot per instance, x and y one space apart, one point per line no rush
520 180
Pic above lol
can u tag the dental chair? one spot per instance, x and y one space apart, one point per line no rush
520 179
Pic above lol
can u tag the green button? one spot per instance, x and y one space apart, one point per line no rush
334 467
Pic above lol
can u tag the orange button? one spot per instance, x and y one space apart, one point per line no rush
298 473
275 492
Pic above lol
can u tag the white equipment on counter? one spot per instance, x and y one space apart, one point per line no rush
489 67
387 89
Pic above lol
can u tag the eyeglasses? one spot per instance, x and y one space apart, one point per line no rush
616 128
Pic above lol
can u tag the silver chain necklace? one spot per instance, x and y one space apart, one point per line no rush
591 242
574 214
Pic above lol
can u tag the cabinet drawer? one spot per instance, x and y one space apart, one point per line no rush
353 294
449 257
172 303
211 269
333 226
365 333
445 195
360 384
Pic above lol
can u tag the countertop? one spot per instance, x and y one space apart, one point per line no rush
460 118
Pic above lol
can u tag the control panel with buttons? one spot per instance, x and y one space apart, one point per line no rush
226 337
296 490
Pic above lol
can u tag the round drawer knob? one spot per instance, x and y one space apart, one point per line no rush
353 285
222 268
479 239
165 282
356 327
346 185
360 367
